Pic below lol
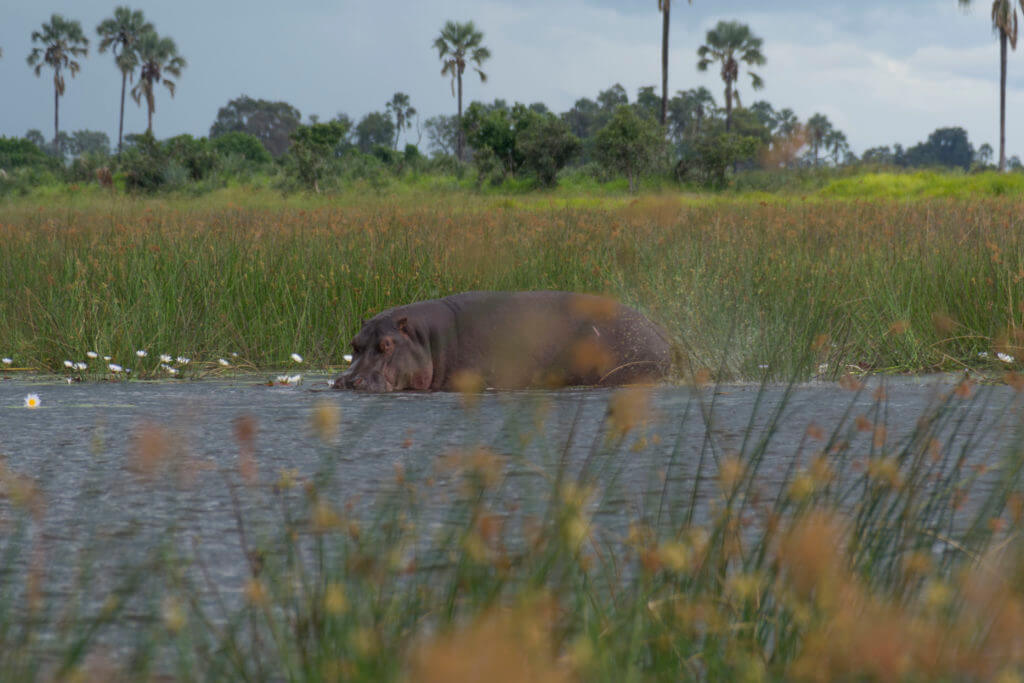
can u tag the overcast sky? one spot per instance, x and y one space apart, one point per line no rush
883 71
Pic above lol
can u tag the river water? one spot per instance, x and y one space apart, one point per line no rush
123 469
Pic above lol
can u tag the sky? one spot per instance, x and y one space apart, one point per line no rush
883 71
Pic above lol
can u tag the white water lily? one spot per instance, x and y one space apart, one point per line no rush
69 364
347 357
182 360
91 355
224 362
169 369
982 354
81 365
297 358
1005 357
115 368
165 358
290 380
32 401
6 361
142 353
108 358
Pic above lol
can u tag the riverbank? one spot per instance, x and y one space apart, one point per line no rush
788 288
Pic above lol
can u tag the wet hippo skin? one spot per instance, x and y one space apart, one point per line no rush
506 340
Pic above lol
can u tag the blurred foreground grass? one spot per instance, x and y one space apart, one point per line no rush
882 284
875 558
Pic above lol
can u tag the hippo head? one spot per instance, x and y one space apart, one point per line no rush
388 355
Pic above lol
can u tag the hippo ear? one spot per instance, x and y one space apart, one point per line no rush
386 344
403 325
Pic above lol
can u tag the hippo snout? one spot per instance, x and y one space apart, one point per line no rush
373 381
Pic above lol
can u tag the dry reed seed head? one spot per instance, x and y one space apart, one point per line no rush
815 432
820 343
335 600
255 592
245 428
802 487
811 554
325 419
878 436
744 586
287 479
675 556
1015 506
598 309
863 424
629 408
323 518
898 328
730 472
172 614
885 471
1015 380
470 384
480 464
591 356
963 388
943 324
702 377
502 645
850 383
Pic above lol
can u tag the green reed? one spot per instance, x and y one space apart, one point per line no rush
882 284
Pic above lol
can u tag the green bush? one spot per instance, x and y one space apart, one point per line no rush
239 144
196 155
19 152
142 162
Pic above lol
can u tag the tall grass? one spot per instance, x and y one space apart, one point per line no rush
878 284
869 555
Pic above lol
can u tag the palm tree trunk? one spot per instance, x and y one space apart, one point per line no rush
149 127
1002 100
56 119
120 125
728 106
460 144
664 61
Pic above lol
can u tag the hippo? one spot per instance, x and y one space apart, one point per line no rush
506 340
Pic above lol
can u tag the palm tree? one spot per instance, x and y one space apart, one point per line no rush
403 112
835 140
818 128
120 33
664 6
158 57
1004 22
62 40
730 43
457 44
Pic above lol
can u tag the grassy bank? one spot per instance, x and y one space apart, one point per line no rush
811 286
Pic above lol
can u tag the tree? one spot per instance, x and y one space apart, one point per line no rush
944 147
881 155
582 117
157 57
611 99
241 145
61 40
403 112
271 122
91 142
119 34
312 151
647 102
818 127
984 154
373 129
457 45
664 6
545 144
443 134
629 144
730 43
1004 22
835 141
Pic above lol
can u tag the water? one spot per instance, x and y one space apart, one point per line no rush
128 470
